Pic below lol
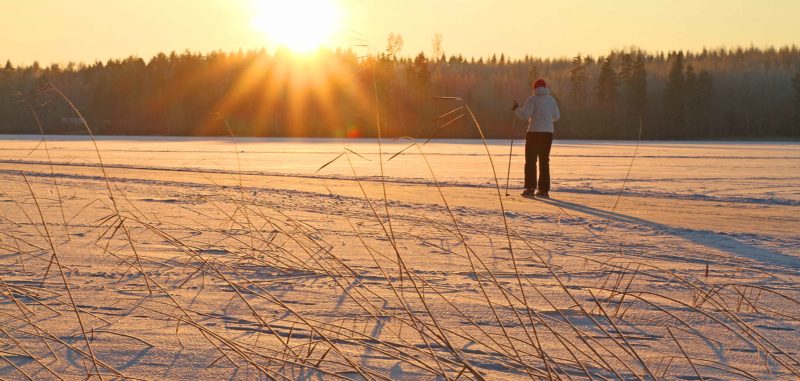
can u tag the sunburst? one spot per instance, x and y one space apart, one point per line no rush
300 25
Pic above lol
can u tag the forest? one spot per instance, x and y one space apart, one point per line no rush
733 93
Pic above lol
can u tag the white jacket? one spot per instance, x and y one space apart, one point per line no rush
540 110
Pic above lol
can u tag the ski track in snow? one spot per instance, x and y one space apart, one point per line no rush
630 190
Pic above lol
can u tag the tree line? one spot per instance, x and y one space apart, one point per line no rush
712 94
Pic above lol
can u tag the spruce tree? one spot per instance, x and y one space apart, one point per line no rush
796 86
606 83
625 68
691 98
624 79
577 79
419 73
690 79
606 92
637 87
705 94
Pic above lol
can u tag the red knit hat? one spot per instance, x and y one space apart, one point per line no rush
539 83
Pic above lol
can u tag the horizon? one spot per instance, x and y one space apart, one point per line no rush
69 32
411 55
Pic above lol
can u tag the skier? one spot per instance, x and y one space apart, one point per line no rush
540 110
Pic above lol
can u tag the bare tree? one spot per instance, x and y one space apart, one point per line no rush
438 51
395 44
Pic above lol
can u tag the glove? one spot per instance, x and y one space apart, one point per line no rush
515 106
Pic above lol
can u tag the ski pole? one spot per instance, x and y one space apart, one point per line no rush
511 149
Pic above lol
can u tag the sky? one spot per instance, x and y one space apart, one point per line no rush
61 31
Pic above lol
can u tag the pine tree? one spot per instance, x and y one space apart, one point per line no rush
674 96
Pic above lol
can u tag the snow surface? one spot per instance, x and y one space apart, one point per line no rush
252 259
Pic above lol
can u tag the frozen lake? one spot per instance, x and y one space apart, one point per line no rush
207 259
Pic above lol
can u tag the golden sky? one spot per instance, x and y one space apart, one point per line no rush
87 30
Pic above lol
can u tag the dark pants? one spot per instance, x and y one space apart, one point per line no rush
537 146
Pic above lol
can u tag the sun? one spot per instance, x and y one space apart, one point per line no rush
300 25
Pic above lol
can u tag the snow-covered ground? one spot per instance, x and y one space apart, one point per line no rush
252 258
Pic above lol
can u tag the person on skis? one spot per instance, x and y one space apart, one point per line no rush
540 110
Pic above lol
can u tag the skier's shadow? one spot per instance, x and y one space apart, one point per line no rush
703 237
